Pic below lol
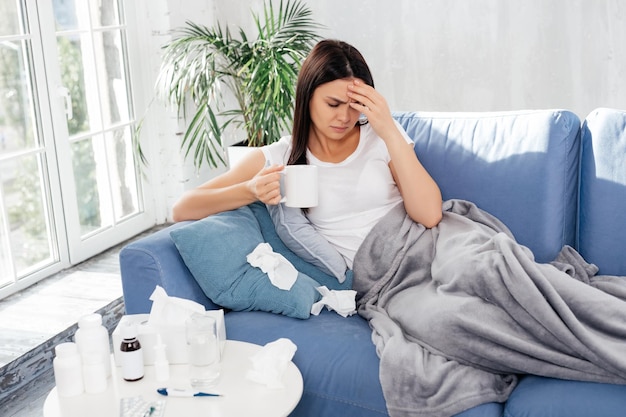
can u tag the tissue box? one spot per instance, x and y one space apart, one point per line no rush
172 335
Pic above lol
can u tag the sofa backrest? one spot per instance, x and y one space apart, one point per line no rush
602 218
521 166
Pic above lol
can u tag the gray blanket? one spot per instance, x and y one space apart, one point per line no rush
458 311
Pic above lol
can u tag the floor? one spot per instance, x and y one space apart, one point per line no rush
35 320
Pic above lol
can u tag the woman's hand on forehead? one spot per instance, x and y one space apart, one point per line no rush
373 105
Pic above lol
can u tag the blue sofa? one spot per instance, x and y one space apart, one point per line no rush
552 178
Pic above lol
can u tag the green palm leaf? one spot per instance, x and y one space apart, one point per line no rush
201 64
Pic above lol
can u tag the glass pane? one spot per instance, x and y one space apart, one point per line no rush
28 218
123 174
112 75
86 181
75 14
67 16
73 78
16 106
105 12
9 18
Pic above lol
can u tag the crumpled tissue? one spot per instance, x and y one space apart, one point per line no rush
342 301
171 310
269 363
281 272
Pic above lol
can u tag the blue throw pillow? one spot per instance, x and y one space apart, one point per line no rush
215 249
270 234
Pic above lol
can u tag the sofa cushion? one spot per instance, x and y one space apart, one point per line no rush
483 410
548 397
299 235
215 249
337 360
335 356
603 191
521 166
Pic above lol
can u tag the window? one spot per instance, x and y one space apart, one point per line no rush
69 183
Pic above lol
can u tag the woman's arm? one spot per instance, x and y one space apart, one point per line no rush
421 194
247 182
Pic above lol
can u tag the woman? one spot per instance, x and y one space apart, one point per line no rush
365 166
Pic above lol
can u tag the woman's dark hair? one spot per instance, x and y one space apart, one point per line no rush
328 61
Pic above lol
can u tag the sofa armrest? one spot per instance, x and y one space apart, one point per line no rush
154 260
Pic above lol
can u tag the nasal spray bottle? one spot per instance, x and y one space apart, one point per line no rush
161 364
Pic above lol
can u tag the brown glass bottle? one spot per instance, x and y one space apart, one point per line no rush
131 354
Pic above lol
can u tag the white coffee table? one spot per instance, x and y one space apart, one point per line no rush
241 397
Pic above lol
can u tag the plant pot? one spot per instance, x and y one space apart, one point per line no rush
236 153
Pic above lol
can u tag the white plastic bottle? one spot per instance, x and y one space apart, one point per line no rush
161 364
68 373
94 373
93 337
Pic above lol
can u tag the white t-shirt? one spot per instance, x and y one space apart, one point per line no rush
353 195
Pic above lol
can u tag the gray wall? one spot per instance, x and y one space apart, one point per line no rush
430 55
479 55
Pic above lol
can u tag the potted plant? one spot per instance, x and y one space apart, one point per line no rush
260 72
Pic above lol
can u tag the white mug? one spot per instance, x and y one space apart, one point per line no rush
300 186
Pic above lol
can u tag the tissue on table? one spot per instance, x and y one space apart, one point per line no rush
269 363
167 318
342 301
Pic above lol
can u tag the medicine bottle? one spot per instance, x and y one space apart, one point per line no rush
94 373
93 338
131 354
68 373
